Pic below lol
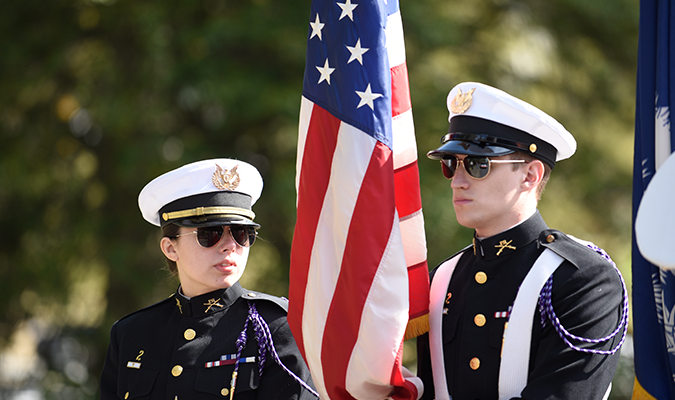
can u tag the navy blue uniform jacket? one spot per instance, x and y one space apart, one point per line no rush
162 351
587 297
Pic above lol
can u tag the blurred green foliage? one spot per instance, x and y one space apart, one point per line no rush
97 97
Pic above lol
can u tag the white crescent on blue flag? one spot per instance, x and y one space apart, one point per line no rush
653 288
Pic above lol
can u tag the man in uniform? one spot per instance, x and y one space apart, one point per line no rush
524 311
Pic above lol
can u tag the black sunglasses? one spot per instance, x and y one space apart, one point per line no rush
477 167
209 236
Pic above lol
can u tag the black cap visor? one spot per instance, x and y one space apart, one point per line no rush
214 220
467 148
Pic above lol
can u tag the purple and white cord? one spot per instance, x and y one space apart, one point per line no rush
547 312
265 345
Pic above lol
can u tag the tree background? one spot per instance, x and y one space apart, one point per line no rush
98 97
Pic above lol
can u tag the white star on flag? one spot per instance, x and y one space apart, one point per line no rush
367 97
325 73
357 52
317 26
347 9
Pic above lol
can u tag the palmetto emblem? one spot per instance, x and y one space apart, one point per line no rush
224 179
462 101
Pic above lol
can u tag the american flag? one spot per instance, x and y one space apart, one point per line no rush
358 263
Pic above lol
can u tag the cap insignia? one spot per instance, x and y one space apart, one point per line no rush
533 148
462 101
224 179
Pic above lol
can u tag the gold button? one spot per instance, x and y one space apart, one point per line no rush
479 319
177 370
126 395
225 391
474 363
251 294
481 277
189 334
533 148
550 238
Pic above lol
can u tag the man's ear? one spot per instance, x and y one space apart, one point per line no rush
534 174
169 248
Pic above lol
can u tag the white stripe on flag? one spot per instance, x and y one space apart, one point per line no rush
403 131
412 229
350 162
395 40
373 357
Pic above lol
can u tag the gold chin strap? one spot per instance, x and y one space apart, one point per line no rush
199 211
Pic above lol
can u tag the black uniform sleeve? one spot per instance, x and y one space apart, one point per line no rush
276 383
108 384
588 301
424 366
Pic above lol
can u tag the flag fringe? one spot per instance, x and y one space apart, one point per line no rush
417 326
639 393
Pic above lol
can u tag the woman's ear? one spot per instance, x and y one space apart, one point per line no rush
169 248
534 174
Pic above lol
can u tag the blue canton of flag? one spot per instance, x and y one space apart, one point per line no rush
354 84
653 288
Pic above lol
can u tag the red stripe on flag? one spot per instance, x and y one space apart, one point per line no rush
407 182
362 256
400 90
314 178
403 389
418 280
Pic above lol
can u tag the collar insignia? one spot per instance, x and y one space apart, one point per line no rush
224 179
504 245
211 303
462 101
180 307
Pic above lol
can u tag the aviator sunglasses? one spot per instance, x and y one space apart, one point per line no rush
476 166
209 236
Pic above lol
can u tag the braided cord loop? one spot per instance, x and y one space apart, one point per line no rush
547 312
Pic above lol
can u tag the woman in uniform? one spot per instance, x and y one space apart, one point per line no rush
212 338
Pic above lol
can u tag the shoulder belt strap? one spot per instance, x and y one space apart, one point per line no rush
515 361
439 285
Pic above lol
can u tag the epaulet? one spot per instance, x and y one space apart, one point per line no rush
255 296
431 274
159 303
572 249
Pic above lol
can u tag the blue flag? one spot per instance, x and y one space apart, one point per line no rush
653 288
